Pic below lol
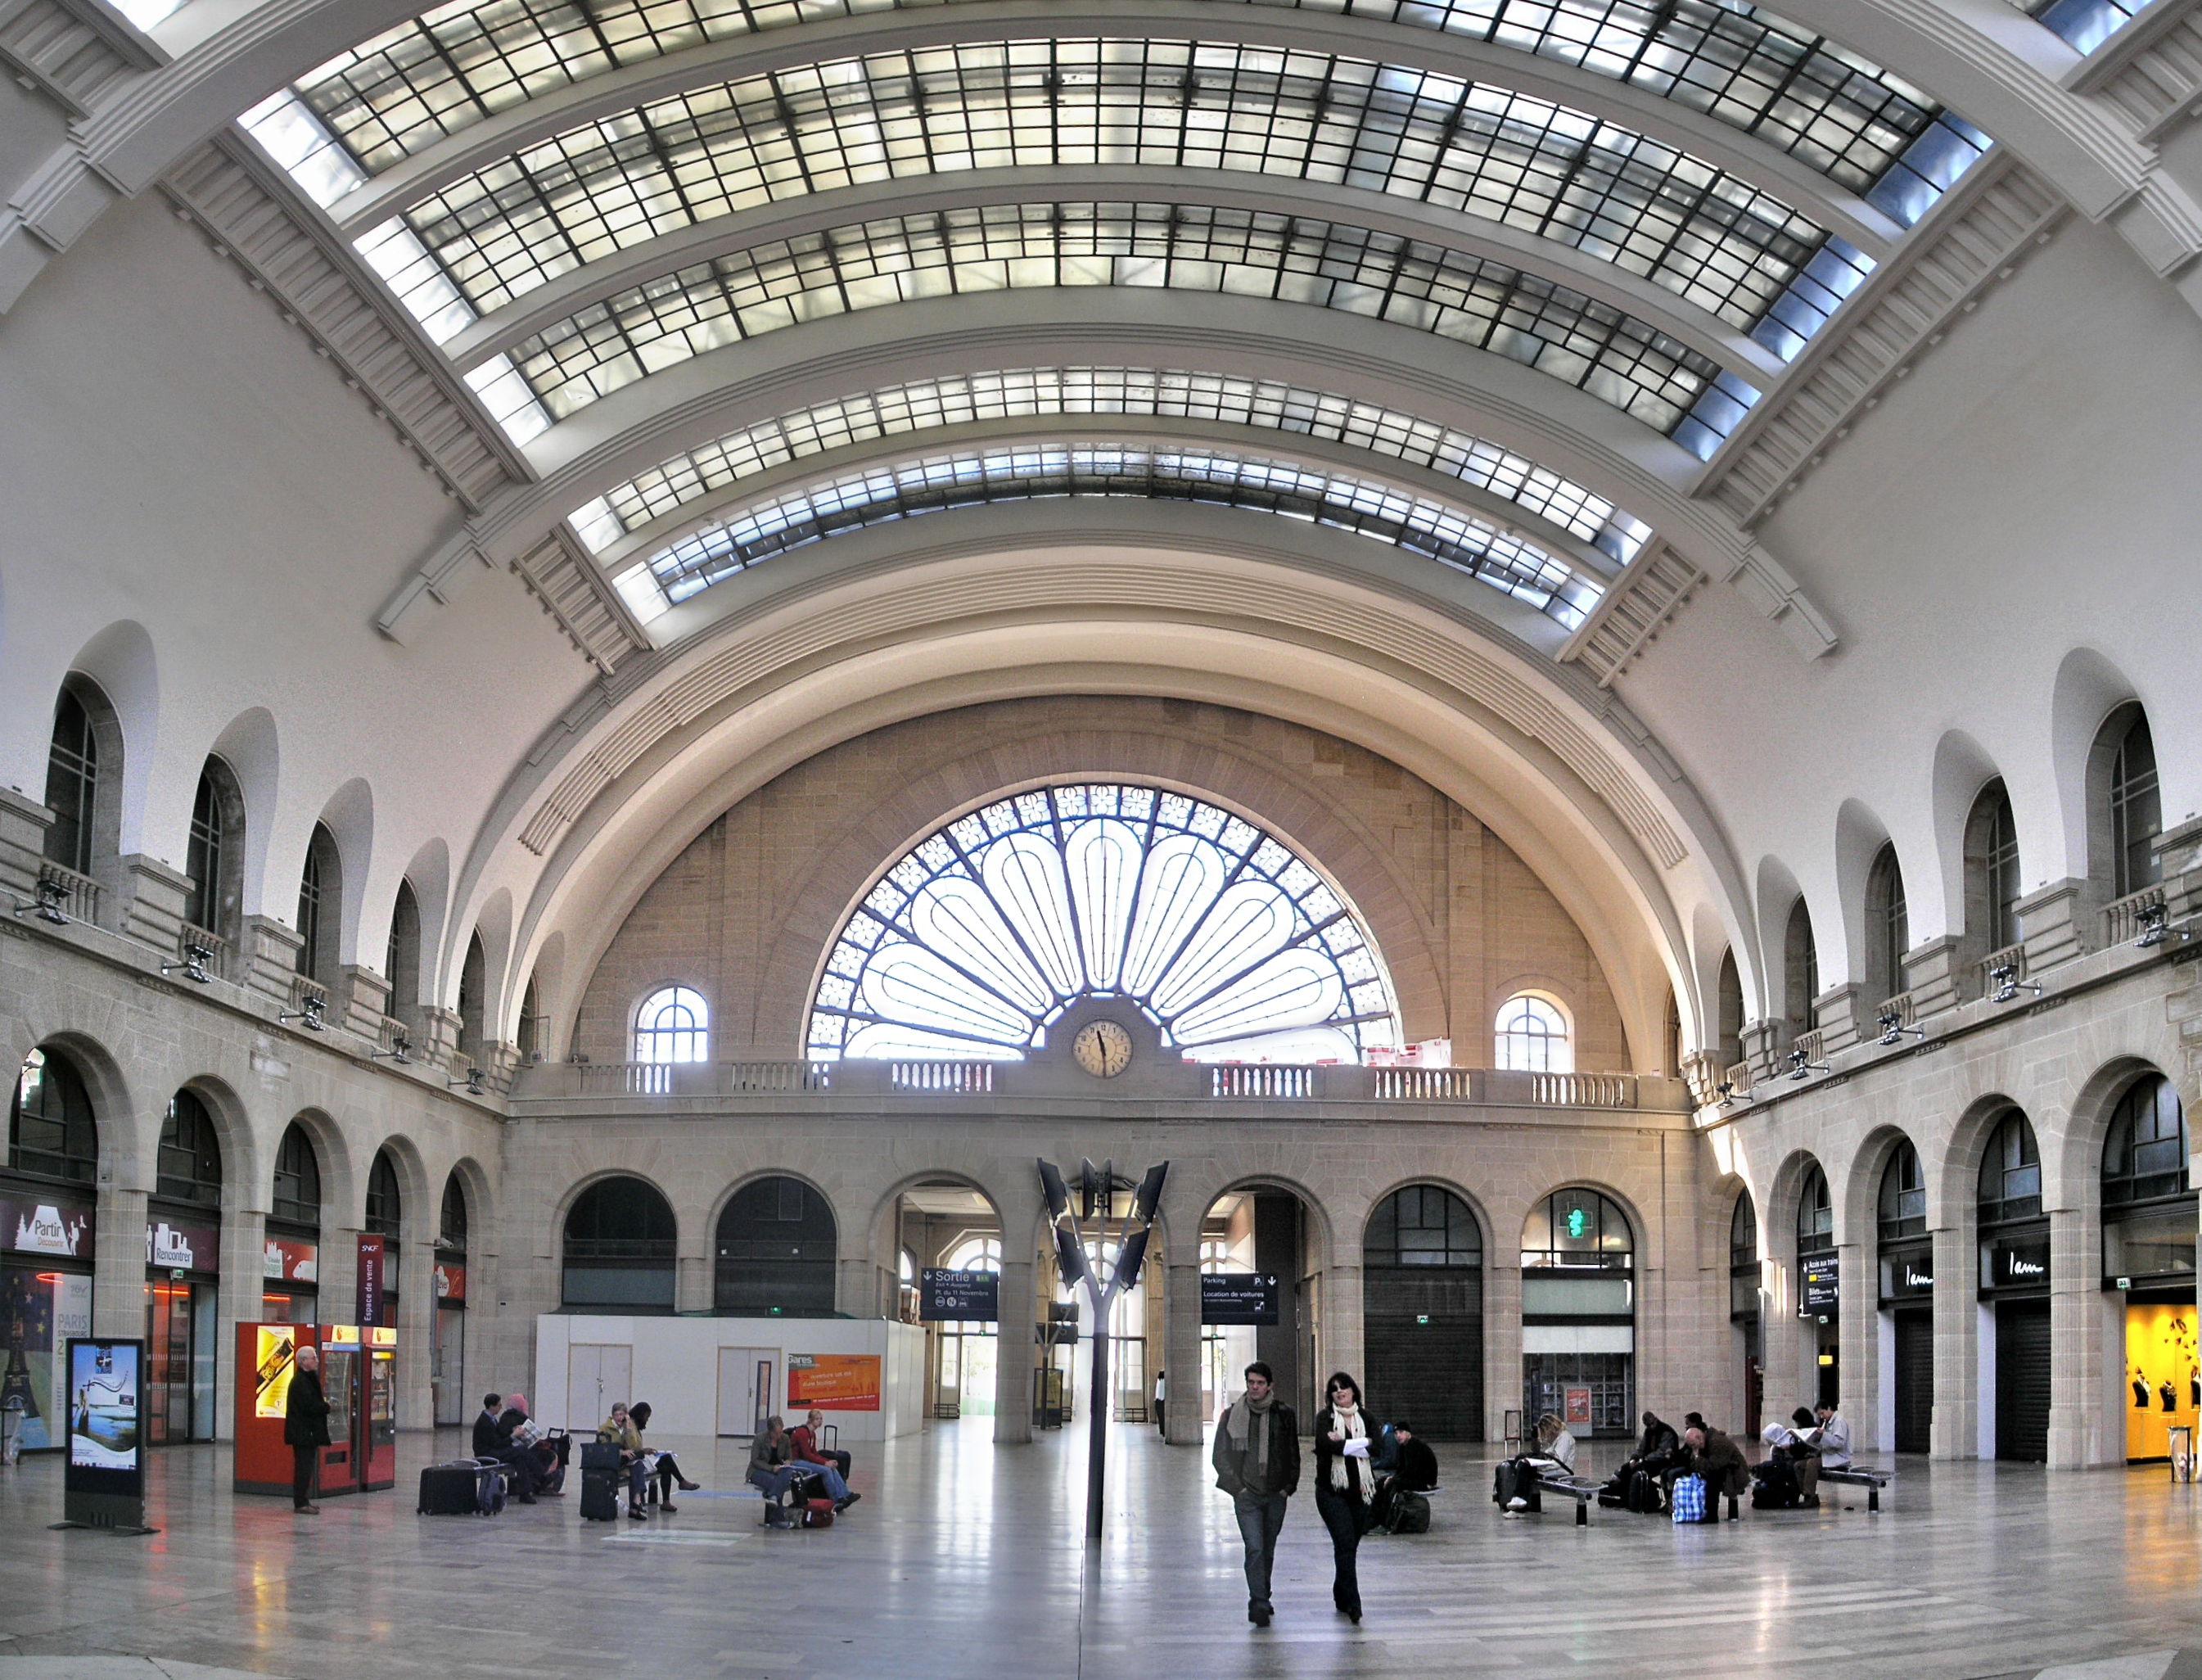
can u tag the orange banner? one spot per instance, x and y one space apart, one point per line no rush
833 1381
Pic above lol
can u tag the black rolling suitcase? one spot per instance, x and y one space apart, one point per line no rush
449 1490
600 1481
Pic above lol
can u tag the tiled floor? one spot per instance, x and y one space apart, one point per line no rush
967 1562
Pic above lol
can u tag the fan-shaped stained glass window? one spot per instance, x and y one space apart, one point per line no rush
976 942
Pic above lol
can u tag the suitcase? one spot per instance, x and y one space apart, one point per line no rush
449 1490
818 1514
599 1455
1644 1497
599 1493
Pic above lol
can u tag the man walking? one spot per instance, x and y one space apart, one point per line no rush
305 1426
1257 1462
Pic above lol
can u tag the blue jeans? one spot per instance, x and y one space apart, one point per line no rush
1261 1517
776 1483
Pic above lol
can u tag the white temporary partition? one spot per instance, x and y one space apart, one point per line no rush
867 1374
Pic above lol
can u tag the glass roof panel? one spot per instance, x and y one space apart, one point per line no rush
441 72
1029 471
1616 195
1048 393
2084 23
1588 343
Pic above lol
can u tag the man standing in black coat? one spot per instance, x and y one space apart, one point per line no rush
1257 1463
305 1426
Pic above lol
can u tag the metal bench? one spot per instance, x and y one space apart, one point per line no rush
1580 1489
1861 1476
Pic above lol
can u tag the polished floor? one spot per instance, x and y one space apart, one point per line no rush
965 1561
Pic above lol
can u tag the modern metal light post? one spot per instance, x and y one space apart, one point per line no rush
1099 1186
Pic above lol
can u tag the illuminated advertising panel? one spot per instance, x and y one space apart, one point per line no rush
271 1365
833 1381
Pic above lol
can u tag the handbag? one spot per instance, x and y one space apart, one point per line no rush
1689 1500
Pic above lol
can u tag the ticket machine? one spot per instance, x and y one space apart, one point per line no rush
358 1377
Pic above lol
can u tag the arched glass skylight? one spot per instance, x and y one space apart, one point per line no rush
1042 392
1024 472
974 943
440 73
1623 198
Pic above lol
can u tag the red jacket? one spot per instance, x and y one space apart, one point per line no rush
806 1446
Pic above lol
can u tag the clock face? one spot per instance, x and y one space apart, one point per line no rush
1103 1048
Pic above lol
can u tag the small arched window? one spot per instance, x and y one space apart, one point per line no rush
384 1206
1991 860
530 1040
1800 972
673 1025
401 959
2010 1172
472 983
1729 993
2136 810
976 1253
320 902
907 1270
1903 1207
451 1223
73 771
297 1178
1887 925
1743 1234
1532 1036
51 1133
189 1168
1577 1227
1423 1225
1815 1215
214 854
2144 1157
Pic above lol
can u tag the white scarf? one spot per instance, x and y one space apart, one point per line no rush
1345 1472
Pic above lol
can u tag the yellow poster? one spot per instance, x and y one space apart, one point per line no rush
833 1381
271 1374
2164 1377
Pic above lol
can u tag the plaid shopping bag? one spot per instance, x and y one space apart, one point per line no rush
1690 1498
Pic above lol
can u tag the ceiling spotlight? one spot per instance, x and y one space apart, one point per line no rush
308 1013
193 968
1893 1030
48 905
2153 919
2004 977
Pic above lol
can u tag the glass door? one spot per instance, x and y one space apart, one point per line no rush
168 1363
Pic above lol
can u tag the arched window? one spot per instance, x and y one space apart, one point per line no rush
383 1205
297 1189
1815 1215
2136 810
1800 972
451 1220
1743 1233
907 1268
1532 1036
401 959
1577 1227
674 1024
73 773
975 942
777 1244
1730 997
621 1245
2144 1156
976 1253
1887 925
1993 886
320 903
189 1167
531 1041
472 984
214 854
1903 1207
51 1133
1423 1225
2010 1172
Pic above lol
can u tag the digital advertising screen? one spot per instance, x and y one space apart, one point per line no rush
272 1366
833 1381
105 1447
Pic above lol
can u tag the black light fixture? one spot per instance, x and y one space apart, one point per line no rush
2155 920
1893 1030
2004 977
400 1052
473 1081
1802 1066
51 895
308 1013
193 967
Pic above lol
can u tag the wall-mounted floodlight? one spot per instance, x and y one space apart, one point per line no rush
48 905
2004 978
308 1013
2155 920
1802 1066
193 968
400 1052
473 1081
1893 1030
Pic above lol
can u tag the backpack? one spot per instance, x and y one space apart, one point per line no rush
1409 1514
1775 1487
489 1487
818 1514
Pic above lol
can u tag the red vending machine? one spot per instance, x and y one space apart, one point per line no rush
377 1418
267 1359
264 1354
343 1362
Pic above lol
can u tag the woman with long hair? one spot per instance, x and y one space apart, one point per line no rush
1344 1485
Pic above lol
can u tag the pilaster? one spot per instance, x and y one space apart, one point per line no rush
244 1235
2178 853
269 958
1012 1356
23 825
1838 1010
1935 975
439 1036
414 1265
1857 1345
1955 1432
2058 922
1181 1355
1762 1044
2078 1435
118 1281
362 1001
154 895
1502 1345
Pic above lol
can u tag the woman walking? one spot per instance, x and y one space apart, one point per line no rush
1344 1486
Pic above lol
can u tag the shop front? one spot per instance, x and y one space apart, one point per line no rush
447 1352
182 1290
2148 1264
45 1298
1579 1315
1907 1305
2013 1288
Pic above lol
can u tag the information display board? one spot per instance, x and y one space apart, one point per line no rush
959 1297
1238 1298
1822 1290
833 1381
104 1483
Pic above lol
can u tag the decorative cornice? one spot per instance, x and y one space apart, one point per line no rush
2151 70
1640 601
72 50
574 591
1977 237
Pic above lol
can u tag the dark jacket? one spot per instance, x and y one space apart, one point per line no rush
491 1436
1657 1437
1235 1466
306 1417
1327 1452
508 1424
1418 1466
1722 1464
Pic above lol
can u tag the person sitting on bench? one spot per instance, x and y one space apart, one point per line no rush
1831 1438
804 1438
773 1470
1657 1450
1708 1452
619 1431
493 1439
667 1469
1555 1453
1790 1473
1404 1465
